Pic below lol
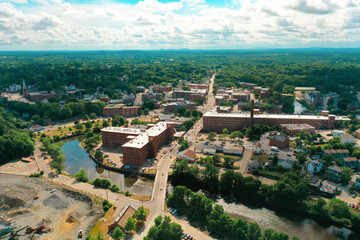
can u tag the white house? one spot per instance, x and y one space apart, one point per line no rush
347 138
314 166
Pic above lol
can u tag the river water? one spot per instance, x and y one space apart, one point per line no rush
293 225
77 158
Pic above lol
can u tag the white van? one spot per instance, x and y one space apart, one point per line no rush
275 149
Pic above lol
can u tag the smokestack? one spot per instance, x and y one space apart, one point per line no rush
252 114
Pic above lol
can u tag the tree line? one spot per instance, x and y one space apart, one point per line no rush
289 193
202 209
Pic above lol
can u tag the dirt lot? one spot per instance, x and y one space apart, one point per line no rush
63 211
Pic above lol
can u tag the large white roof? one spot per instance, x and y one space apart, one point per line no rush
285 116
142 139
122 130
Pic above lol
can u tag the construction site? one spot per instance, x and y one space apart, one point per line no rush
33 208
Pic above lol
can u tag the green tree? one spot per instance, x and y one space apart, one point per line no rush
105 124
92 116
100 236
130 224
301 158
254 232
228 162
211 135
79 126
140 214
158 220
81 176
88 125
86 117
99 156
118 234
346 175
275 159
216 159
225 131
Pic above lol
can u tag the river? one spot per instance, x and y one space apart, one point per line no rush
77 158
290 223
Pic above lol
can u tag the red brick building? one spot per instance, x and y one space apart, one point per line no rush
292 129
39 96
122 110
118 136
146 144
281 141
216 122
197 86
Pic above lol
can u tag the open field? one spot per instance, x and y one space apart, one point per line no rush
63 211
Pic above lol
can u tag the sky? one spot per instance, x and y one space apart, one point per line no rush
178 24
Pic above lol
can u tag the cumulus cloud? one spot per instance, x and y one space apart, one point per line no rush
151 24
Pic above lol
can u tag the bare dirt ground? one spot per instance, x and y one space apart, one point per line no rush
63 211
19 167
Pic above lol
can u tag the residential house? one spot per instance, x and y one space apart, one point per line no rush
347 138
333 173
188 155
337 153
357 133
314 166
120 221
350 162
313 97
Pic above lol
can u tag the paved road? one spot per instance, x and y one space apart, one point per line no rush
157 202
245 161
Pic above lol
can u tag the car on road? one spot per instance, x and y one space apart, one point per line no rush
288 155
160 188
349 204
53 190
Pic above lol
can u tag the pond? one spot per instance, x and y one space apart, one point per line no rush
286 222
77 158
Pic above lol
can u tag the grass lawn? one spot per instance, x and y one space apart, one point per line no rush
103 223
270 174
263 157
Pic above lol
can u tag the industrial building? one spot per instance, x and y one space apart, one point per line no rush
216 122
138 144
121 110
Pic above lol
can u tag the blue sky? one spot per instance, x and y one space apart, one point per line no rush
167 24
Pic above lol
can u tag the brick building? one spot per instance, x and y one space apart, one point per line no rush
281 141
216 122
122 110
241 97
151 96
172 106
191 95
197 86
118 136
293 129
146 144
40 95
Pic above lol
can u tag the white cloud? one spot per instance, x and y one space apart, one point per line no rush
150 24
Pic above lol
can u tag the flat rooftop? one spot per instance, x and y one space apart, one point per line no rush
143 139
297 126
284 116
121 130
